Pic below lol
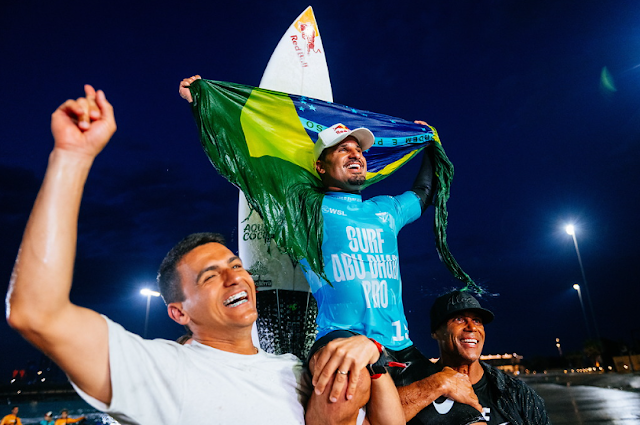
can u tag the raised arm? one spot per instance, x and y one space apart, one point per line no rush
38 304
424 184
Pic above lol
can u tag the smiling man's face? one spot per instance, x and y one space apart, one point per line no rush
219 292
461 338
343 167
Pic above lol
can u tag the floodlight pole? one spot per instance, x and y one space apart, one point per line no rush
584 313
570 229
148 293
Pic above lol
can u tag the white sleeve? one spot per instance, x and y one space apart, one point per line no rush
136 366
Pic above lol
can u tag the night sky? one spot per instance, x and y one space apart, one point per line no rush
537 105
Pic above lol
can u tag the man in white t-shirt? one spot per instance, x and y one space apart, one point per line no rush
220 377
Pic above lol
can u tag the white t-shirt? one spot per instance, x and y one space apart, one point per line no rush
163 382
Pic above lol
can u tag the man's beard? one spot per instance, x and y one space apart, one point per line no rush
357 181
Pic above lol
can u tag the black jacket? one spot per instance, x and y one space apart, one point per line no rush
517 402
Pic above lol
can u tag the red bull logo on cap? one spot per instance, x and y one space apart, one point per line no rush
340 128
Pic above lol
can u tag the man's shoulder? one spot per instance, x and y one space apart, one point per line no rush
123 341
505 381
496 374
405 197
406 203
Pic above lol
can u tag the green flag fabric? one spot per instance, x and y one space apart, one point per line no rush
262 142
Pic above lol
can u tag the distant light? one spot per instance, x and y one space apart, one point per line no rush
148 292
494 357
570 229
19 391
43 379
576 286
39 372
13 380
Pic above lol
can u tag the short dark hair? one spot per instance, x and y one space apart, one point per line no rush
323 155
168 280
186 337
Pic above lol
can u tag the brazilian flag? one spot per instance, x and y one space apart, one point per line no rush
262 142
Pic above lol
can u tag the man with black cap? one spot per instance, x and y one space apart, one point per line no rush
457 324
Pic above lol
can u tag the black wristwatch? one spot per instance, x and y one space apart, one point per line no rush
378 368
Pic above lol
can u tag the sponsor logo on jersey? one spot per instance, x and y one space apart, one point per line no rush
329 210
383 216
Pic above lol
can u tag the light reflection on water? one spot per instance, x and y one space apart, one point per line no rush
579 405
567 405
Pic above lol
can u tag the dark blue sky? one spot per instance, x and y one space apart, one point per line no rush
514 90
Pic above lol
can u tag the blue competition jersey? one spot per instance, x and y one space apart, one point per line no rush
360 254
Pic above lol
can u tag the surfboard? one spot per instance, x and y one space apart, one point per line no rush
298 66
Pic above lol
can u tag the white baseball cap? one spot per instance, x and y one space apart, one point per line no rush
337 133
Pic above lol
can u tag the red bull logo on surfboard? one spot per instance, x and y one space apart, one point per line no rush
304 44
308 32
301 55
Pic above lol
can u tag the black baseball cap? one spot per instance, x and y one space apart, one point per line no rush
450 303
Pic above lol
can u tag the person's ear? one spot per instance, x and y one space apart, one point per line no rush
319 167
177 313
436 334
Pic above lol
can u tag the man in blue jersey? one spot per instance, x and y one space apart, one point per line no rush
363 289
